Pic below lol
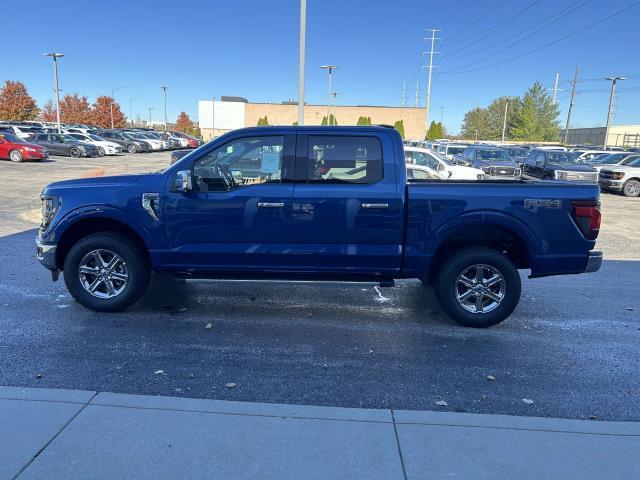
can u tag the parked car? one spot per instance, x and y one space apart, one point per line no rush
16 149
155 143
622 178
517 154
493 161
621 158
587 155
174 142
105 147
192 142
437 164
20 131
65 145
238 208
126 141
418 172
557 165
449 150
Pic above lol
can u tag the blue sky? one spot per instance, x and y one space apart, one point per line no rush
249 48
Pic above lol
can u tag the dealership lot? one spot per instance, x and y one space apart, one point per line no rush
571 346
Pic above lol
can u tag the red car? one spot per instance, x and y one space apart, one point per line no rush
17 150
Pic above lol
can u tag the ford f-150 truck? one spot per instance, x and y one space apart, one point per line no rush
315 203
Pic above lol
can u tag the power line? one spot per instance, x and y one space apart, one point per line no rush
575 7
546 45
473 24
496 28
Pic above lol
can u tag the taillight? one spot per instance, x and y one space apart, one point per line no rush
587 216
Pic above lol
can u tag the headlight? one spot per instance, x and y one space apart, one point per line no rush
486 169
50 206
617 175
29 149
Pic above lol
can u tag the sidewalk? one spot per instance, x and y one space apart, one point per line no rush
70 434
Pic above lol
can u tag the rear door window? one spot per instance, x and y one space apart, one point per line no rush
344 159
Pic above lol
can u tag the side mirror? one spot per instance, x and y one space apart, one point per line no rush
183 182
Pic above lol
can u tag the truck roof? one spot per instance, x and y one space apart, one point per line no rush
328 128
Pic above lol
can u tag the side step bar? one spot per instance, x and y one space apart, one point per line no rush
384 283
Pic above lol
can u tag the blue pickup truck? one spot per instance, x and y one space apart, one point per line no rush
315 203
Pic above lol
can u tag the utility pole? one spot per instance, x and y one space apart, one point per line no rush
329 69
504 122
55 57
441 115
417 90
213 118
335 94
404 93
573 95
303 29
150 108
130 108
555 88
430 67
164 88
612 100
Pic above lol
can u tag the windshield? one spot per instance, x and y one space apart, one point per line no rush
455 150
631 160
517 152
554 156
492 155
11 138
608 159
95 138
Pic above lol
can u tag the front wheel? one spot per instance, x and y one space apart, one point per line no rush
631 188
132 148
15 156
101 152
478 287
106 272
75 152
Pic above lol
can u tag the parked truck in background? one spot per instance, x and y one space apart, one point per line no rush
315 203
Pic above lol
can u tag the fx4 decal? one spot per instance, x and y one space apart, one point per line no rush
535 203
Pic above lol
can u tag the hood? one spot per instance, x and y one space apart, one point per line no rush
496 163
115 181
571 167
618 168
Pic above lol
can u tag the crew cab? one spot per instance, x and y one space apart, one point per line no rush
315 203
558 165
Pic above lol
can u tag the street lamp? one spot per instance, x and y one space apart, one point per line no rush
301 61
150 108
164 88
113 91
55 57
130 108
613 81
329 69
334 94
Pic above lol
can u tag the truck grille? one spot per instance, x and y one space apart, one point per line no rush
502 171
606 174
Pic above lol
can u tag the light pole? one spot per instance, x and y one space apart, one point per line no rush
329 69
504 122
150 108
303 31
613 81
334 94
164 88
441 115
130 108
55 57
213 118
113 91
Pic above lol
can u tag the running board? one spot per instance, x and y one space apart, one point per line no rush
384 283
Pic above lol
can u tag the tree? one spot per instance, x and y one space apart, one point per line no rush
475 124
435 130
263 121
184 123
75 109
48 112
399 126
16 103
101 113
332 120
535 117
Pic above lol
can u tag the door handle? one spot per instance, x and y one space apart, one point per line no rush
271 204
375 205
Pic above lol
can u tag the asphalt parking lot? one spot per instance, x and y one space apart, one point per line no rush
572 346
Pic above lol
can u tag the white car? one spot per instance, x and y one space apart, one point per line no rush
426 158
622 178
105 147
20 131
611 159
448 150
587 155
154 142
418 172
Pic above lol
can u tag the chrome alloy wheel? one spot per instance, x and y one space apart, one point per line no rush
103 273
480 288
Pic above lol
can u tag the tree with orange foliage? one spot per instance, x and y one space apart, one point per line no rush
48 112
75 109
101 113
184 123
16 103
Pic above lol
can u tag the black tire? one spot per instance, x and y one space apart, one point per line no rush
134 260
131 148
75 152
101 152
448 287
15 156
631 188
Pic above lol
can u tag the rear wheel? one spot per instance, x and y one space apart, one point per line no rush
75 152
15 156
478 287
631 188
132 148
106 272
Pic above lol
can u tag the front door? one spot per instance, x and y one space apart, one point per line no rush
238 215
347 211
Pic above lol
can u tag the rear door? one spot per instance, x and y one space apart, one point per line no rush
347 210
